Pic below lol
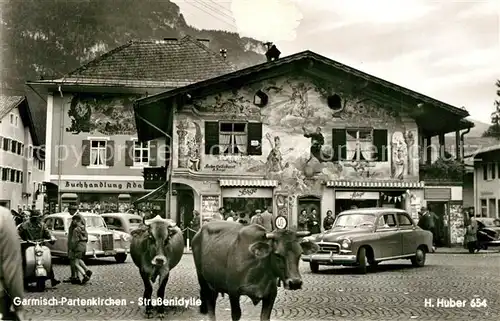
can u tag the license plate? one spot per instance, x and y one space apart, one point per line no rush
109 253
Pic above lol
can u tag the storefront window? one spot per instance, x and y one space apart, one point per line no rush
246 206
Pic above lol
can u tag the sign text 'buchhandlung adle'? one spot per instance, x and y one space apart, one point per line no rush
102 185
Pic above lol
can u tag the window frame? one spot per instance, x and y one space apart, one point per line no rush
141 149
358 152
63 225
482 207
398 215
232 145
97 149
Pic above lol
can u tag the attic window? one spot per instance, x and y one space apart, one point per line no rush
334 102
260 99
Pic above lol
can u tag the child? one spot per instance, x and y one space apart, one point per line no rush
79 247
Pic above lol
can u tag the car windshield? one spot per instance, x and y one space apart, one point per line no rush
94 221
355 220
490 222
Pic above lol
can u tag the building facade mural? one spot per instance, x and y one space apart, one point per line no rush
301 137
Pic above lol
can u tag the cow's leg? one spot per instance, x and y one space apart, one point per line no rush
267 305
208 298
234 299
161 294
148 292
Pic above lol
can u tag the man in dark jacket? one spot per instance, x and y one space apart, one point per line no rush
73 279
428 222
34 230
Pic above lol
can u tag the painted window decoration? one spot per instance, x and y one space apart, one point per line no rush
359 144
141 153
98 153
233 138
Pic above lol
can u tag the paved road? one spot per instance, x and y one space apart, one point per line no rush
394 291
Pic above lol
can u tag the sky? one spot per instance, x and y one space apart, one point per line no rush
446 49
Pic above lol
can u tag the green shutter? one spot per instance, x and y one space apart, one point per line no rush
254 138
211 138
339 144
380 143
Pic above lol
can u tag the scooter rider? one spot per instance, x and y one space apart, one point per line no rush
32 230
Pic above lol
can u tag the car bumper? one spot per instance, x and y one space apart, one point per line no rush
331 259
493 243
100 253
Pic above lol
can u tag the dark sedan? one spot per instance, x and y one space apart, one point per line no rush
488 233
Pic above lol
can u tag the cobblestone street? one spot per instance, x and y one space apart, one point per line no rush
395 291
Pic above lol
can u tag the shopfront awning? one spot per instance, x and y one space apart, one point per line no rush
375 184
248 183
69 196
156 194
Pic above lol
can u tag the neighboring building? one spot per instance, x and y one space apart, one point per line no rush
487 182
93 156
243 141
21 160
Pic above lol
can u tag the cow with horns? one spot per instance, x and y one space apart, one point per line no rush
245 260
156 248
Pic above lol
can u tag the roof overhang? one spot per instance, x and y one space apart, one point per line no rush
480 153
433 116
27 119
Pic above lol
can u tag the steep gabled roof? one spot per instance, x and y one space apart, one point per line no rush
185 60
9 103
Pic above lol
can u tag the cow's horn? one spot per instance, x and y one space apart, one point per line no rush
155 219
270 236
303 233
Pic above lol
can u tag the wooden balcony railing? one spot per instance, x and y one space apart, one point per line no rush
442 171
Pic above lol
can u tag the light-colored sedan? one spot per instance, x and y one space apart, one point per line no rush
102 242
368 236
123 222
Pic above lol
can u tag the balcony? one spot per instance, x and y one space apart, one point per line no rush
442 172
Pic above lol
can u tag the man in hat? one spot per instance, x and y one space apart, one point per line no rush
32 230
257 218
428 222
73 279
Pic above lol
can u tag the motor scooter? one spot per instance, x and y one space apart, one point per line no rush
38 264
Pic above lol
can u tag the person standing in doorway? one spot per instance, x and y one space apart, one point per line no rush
303 220
313 223
329 220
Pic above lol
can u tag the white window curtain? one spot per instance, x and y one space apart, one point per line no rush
351 148
367 150
225 143
241 142
94 153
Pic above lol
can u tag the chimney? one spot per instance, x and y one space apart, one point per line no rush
223 53
272 52
206 42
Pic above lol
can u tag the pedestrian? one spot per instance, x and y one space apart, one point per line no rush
73 279
313 222
303 219
471 234
267 220
231 216
11 276
428 222
79 247
220 215
329 220
257 218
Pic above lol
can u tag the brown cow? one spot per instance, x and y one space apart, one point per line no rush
245 260
156 248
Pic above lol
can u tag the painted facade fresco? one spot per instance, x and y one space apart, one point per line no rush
102 113
297 130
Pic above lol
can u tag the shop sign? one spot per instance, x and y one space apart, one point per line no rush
247 192
281 222
357 195
102 186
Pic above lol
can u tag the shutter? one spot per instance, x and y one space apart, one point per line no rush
85 152
153 153
110 153
1 141
254 139
485 172
129 153
339 144
211 138
380 143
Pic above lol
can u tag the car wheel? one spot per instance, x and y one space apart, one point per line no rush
362 260
419 258
314 267
120 257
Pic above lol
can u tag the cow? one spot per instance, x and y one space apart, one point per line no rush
245 260
156 248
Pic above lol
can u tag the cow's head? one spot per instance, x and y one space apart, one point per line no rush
283 250
160 231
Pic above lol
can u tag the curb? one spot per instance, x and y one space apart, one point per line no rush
465 252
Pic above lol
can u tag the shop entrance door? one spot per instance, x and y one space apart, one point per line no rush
440 209
310 203
185 207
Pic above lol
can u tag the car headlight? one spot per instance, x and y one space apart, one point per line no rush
346 243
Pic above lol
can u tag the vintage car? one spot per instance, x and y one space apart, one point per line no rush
362 237
102 242
488 233
123 222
